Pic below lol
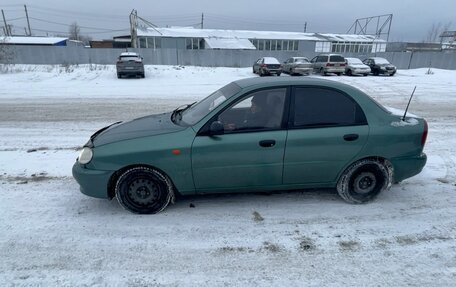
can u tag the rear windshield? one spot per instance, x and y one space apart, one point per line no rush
336 58
269 60
129 58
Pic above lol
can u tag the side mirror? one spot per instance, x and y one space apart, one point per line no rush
216 128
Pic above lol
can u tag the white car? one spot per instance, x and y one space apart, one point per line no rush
354 66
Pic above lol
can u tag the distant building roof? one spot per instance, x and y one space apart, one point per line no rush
189 32
350 38
229 43
21 40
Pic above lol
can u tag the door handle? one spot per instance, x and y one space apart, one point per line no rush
267 143
351 137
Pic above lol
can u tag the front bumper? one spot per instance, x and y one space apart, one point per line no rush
406 167
361 71
93 183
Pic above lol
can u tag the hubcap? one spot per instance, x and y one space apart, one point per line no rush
143 191
365 182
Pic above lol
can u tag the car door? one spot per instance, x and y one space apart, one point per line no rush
243 155
327 129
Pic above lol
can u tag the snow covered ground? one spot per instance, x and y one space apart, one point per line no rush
52 235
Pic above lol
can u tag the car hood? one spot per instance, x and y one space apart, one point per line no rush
141 127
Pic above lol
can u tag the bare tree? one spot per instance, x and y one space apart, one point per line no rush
6 52
436 30
74 31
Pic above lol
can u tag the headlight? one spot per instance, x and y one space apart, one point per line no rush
85 156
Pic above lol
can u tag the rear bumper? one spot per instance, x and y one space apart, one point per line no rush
93 183
406 167
334 69
272 71
302 70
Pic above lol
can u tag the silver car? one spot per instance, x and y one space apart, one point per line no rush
130 64
297 66
354 66
328 63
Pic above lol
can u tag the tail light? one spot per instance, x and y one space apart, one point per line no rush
425 133
329 65
342 65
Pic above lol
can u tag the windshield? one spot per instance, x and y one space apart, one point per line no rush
198 111
354 61
302 60
381 61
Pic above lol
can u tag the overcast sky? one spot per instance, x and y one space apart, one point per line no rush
412 19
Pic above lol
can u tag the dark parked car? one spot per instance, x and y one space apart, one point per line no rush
130 64
255 134
297 66
267 66
328 63
380 66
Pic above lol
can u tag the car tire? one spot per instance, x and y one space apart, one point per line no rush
143 75
119 76
322 72
278 74
365 75
392 74
143 190
376 73
362 181
253 70
349 73
338 74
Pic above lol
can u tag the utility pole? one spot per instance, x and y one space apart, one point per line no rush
202 20
28 21
133 31
305 27
6 26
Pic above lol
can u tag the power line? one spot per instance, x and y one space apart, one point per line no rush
69 25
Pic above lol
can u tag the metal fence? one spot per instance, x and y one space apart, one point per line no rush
208 58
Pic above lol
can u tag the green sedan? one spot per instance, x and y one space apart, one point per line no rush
255 134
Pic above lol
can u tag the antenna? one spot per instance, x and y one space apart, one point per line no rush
403 118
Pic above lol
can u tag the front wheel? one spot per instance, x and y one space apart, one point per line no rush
143 190
364 180
322 72
349 73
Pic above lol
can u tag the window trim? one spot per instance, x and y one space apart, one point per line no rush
291 114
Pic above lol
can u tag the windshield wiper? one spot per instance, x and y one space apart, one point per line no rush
178 112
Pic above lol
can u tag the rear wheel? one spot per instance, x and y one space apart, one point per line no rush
364 180
376 73
338 74
119 76
143 190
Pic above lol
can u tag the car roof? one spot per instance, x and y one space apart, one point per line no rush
286 81
129 54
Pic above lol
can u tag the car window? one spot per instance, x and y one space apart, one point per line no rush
260 110
322 58
321 107
198 111
129 58
336 58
